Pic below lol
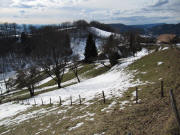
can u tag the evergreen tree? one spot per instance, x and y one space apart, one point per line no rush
90 50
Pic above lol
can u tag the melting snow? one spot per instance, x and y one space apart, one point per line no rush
165 48
159 63
10 109
100 33
109 107
77 126
114 82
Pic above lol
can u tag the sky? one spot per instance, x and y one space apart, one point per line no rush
128 12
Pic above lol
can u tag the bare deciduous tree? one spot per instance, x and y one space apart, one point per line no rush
75 65
28 78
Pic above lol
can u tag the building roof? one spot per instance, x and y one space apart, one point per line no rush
166 38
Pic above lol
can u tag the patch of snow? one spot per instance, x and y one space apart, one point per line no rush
143 73
160 48
37 133
79 117
63 29
165 48
159 63
83 116
91 119
77 126
178 44
10 109
109 107
62 111
90 114
44 81
123 103
5 132
100 133
23 117
100 33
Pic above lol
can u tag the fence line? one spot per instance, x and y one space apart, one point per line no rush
174 107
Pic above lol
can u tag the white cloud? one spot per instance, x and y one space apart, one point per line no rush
56 11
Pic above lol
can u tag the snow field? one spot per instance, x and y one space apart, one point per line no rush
113 83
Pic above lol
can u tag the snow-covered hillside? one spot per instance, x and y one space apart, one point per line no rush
78 44
113 83
100 33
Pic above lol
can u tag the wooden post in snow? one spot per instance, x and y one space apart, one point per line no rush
42 101
136 95
71 99
104 99
28 102
174 107
80 100
60 101
50 101
34 101
162 89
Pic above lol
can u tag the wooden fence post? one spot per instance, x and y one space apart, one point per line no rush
34 101
50 101
42 101
136 95
71 99
60 100
80 100
162 89
28 102
174 107
104 99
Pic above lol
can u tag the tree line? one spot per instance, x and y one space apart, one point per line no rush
46 51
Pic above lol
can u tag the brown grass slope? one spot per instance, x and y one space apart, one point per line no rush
153 115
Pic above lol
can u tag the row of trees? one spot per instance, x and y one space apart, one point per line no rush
115 47
46 50
42 48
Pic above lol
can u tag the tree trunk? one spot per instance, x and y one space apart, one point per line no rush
59 82
76 74
31 90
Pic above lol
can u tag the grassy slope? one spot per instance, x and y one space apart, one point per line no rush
86 71
152 116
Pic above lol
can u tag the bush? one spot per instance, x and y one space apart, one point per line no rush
113 58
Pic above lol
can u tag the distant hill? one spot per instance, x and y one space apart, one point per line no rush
155 29
166 28
147 26
121 27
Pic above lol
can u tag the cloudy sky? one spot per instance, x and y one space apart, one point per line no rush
106 11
